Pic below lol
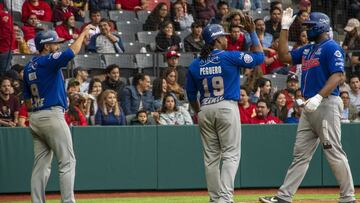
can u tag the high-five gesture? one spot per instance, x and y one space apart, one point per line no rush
249 24
287 19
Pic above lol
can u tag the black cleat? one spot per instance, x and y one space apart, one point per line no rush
272 199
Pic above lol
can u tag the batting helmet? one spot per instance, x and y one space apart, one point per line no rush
318 23
46 37
212 32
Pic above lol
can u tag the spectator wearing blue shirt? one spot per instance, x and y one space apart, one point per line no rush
109 112
264 37
222 10
102 5
246 5
138 95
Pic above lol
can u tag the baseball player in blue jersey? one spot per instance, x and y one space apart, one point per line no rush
322 72
215 74
46 101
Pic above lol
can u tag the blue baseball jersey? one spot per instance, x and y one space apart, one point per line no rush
319 62
44 81
218 77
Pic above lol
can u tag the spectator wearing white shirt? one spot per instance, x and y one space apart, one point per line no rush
354 93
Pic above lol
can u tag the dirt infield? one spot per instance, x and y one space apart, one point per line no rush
110 194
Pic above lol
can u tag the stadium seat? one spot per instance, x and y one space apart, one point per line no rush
133 47
90 61
122 16
129 27
161 61
145 62
125 61
277 81
127 37
186 59
21 59
142 15
146 37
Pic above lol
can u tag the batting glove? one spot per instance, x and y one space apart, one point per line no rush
313 103
287 19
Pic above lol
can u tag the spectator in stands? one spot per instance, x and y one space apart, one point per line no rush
204 10
349 113
109 111
344 86
138 95
73 86
106 41
74 115
159 90
9 104
23 116
222 10
182 21
171 77
40 8
64 9
234 17
247 109
95 89
292 84
252 77
278 107
7 40
296 26
273 25
81 75
305 5
194 41
173 114
130 5
187 7
276 4
355 91
296 113
141 118
101 5
352 37
156 17
302 39
236 40
83 5
172 59
29 27
67 29
167 39
273 64
354 10
263 115
264 37
246 5
112 80
14 5
21 47
262 91
95 18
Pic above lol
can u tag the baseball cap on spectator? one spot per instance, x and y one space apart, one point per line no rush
67 15
352 24
305 3
292 77
171 54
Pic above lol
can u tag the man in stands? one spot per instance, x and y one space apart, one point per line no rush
222 10
172 59
263 114
273 25
40 8
292 84
95 18
247 109
138 95
112 80
355 91
9 104
7 40
81 75
63 8
236 40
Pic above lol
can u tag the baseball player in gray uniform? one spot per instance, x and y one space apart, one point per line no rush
216 75
322 72
45 98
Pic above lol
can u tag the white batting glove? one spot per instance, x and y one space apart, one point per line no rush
287 19
313 103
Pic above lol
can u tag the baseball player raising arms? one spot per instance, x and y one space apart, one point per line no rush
322 72
216 75
45 99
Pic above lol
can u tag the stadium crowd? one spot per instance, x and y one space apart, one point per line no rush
112 95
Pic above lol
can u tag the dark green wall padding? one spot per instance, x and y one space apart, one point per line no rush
167 157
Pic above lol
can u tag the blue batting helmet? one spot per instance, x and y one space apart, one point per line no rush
318 23
212 32
46 37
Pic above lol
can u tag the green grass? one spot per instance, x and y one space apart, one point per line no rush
192 199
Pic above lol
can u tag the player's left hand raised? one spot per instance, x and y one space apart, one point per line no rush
313 103
249 24
287 18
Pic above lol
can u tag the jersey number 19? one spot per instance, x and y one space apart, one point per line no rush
217 84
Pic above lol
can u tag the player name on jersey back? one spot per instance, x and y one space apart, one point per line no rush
210 70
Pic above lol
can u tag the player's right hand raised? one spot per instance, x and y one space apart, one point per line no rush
287 18
249 24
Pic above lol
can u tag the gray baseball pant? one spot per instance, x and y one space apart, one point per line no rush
51 134
323 126
221 137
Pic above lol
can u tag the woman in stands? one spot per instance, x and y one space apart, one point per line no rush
95 89
262 90
109 111
156 17
278 107
75 116
171 114
302 39
67 29
296 27
171 77
167 39
159 90
182 20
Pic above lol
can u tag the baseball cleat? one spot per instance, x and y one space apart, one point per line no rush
272 199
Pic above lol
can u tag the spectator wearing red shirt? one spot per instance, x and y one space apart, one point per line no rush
272 62
292 84
263 114
247 109
40 8
75 116
9 104
67 29
7 40
236 39
130 5
29 28
23 116
63 9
